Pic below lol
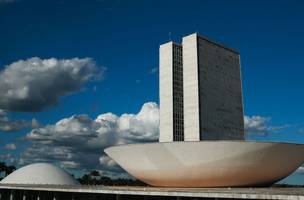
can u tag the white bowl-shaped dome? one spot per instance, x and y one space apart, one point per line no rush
40 173
209 163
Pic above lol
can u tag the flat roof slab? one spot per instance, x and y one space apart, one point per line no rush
233 193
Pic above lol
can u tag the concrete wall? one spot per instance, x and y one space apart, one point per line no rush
213 107
166 92
209 163
212 92
153 193
220 92
191 83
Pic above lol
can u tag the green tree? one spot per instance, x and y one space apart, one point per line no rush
85 179
9 169
2 167
94 173
6 169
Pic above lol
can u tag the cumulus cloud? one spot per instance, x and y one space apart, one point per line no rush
2 113
300 170
8 125
69 164
10 146
108 165
77 142
35 83
260 125
256 124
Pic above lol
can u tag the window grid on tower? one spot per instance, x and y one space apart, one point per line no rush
178 113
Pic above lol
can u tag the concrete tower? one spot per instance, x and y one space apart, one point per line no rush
213 102
200 91
171 92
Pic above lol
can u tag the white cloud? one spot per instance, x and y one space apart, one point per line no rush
78 141
154 70
300 170
8 125
35 83
69 165
109 165
10 146
260 125
2 113
256 124
35 123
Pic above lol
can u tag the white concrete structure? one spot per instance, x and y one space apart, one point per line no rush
211 151
40 173
99 192
209 163
191 90
166 91
171 92
200 91
213 103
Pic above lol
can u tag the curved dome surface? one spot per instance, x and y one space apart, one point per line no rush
40 173
209 163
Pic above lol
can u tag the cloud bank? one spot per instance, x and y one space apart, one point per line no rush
35 83
10 146
260 125
8 125
77 142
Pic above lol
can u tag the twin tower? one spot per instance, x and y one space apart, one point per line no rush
200 91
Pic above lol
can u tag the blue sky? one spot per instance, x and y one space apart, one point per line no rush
122 38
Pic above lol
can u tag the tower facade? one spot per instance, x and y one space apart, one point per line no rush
171 92
209 105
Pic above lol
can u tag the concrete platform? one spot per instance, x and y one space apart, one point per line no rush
177 193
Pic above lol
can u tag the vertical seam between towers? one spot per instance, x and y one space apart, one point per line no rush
199 92
182 77
242 99
159 94
173 118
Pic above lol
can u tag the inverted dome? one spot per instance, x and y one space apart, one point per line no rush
40 173
209 163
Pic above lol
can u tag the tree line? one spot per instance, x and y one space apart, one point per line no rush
6 169
95 178
90 178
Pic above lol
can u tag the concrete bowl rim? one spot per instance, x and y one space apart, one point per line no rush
202 141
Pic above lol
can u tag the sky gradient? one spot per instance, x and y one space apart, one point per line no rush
105 60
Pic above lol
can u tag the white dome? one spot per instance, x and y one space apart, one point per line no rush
40 173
